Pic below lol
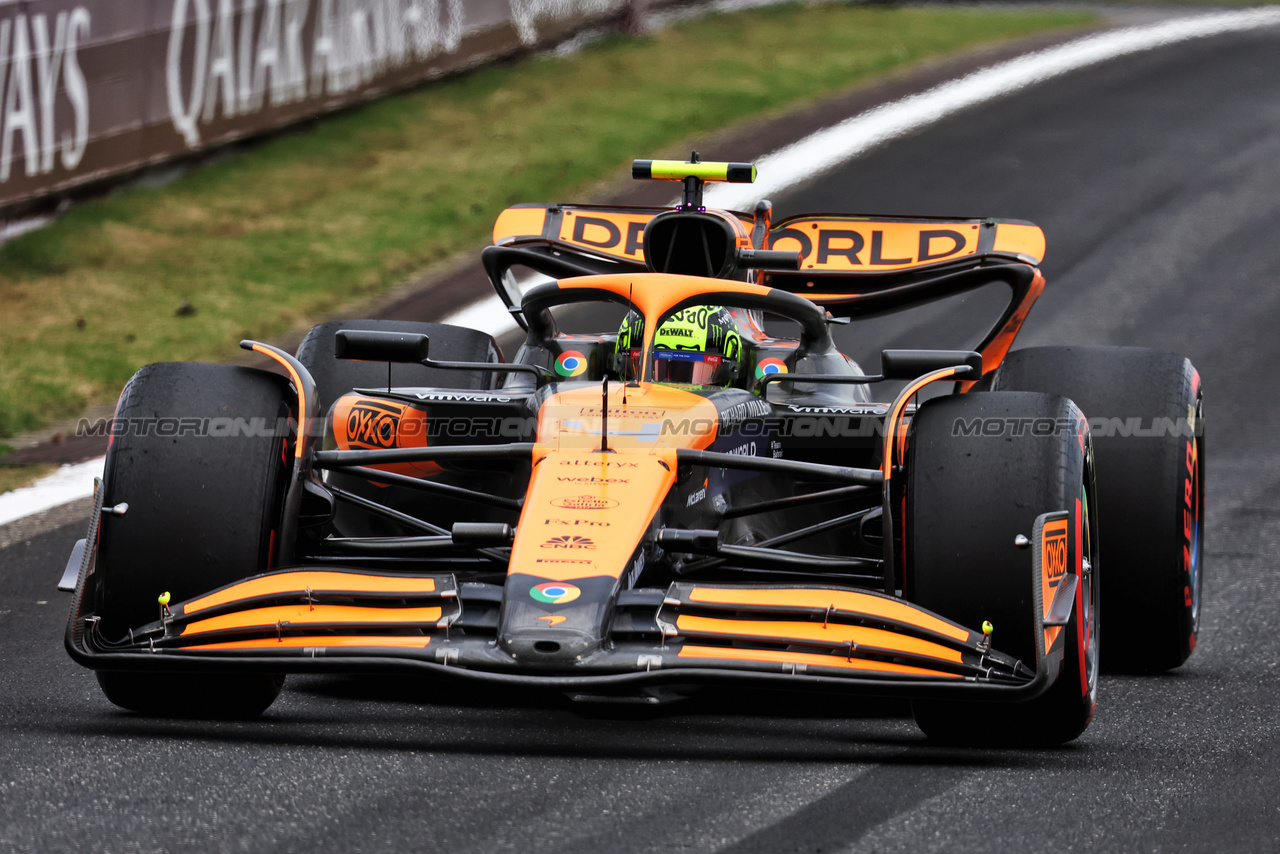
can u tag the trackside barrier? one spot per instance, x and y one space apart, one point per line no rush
91 89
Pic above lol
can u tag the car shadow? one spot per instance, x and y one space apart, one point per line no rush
426 715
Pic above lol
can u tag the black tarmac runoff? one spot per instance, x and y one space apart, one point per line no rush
1157 180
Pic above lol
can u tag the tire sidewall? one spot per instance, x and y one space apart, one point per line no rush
973 494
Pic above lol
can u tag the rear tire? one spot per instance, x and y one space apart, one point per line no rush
969 494
1150 488
335 377
204 501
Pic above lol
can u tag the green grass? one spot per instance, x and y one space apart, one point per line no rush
320 219
16 477
1190 3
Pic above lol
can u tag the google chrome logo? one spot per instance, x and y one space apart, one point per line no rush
555 593
770 366
571 363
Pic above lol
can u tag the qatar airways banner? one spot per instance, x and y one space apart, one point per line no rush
94 88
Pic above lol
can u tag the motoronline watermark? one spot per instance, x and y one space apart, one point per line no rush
1099 427
390 431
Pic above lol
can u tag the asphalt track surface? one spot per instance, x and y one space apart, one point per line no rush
1157 179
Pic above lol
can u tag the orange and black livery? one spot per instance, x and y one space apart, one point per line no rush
709 493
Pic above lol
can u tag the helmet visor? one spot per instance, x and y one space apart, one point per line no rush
683 366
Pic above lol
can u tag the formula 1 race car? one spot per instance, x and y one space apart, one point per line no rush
703 490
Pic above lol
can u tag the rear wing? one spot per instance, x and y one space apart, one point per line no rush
614 233
851 265
829 245
849 245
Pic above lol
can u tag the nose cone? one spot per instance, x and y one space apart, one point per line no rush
556 622
550 645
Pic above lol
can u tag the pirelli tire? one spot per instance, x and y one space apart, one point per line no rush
981 467
1146 410
202 467
335 377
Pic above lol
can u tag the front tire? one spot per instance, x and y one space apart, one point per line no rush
202 467
972 489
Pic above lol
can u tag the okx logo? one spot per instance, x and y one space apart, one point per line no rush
372 425
569 542
1053 556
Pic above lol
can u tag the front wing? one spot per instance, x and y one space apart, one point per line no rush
322 619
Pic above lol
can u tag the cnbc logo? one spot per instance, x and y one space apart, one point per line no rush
569 542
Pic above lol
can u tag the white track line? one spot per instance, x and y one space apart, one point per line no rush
69 483
801 161
832 146
827 148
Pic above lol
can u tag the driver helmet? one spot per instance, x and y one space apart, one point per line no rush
699 345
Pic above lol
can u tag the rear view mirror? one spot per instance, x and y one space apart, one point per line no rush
368 346
909 364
